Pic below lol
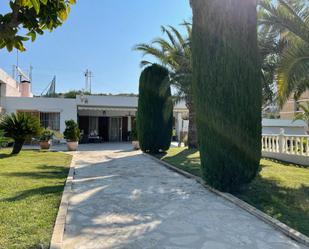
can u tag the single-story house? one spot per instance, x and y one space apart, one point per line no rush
110 118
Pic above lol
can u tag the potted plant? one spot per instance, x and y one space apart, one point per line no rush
71 134
134 139
45 139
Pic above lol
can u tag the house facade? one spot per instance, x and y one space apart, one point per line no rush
105 118
100 118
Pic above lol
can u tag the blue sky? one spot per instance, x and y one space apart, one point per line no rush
99 35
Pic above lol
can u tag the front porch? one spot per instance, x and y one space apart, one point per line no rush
105 124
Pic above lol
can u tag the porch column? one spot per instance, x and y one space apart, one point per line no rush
129 123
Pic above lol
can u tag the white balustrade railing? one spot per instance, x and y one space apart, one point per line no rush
292 147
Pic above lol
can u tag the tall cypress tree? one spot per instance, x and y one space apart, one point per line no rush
227 90
155 110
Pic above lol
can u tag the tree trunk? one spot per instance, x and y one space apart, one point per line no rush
192 131
18 144
227 90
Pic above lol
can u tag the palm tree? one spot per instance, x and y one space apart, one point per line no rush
19 127
304 115
175 54
289 21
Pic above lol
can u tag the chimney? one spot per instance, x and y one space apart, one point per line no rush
25 89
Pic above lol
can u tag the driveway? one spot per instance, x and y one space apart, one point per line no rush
123 199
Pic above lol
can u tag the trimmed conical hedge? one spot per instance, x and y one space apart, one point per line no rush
155 110
227 90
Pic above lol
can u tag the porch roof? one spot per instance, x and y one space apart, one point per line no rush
106 108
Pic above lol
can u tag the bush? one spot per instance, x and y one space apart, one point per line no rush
72 132
227 90
19 127
155 110
133 135
46 135
4 141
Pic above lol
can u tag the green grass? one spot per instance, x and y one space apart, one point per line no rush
31 186
281 190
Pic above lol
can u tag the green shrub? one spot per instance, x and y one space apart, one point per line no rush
72 132
155 110
4 141
227 90
20 127
133 135
46 135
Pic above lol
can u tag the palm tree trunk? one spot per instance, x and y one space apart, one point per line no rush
192 130
18 144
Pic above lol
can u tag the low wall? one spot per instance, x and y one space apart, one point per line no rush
293 149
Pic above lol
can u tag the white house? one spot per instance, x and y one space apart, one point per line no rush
109 118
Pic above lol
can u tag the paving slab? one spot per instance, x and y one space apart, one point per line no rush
122 199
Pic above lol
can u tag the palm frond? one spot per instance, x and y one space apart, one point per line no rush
293 71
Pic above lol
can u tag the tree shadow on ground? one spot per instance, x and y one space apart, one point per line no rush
286 163
3 156
46 172
185 160
289 205
35 191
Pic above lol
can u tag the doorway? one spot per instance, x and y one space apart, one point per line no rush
115 129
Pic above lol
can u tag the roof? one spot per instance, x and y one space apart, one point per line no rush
283 123
114 101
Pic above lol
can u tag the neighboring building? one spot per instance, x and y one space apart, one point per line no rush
290 127
291 107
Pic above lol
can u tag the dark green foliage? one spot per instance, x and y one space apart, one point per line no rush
133 135
20 127
73 93
27 19
155 110
227 90
71 132
46 135
4 141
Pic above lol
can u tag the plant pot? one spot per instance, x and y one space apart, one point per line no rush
135 145
72 146
45 145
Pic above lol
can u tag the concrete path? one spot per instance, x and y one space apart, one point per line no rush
122 199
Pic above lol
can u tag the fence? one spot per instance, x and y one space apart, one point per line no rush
289 148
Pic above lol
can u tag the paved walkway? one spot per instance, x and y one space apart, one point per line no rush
122 199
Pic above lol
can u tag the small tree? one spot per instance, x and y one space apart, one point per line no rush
20 127
155 110
72 132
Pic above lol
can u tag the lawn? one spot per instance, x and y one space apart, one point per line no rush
281 190
31 186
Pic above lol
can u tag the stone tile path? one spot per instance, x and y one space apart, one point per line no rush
122 199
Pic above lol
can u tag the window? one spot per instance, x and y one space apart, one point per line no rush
50 120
